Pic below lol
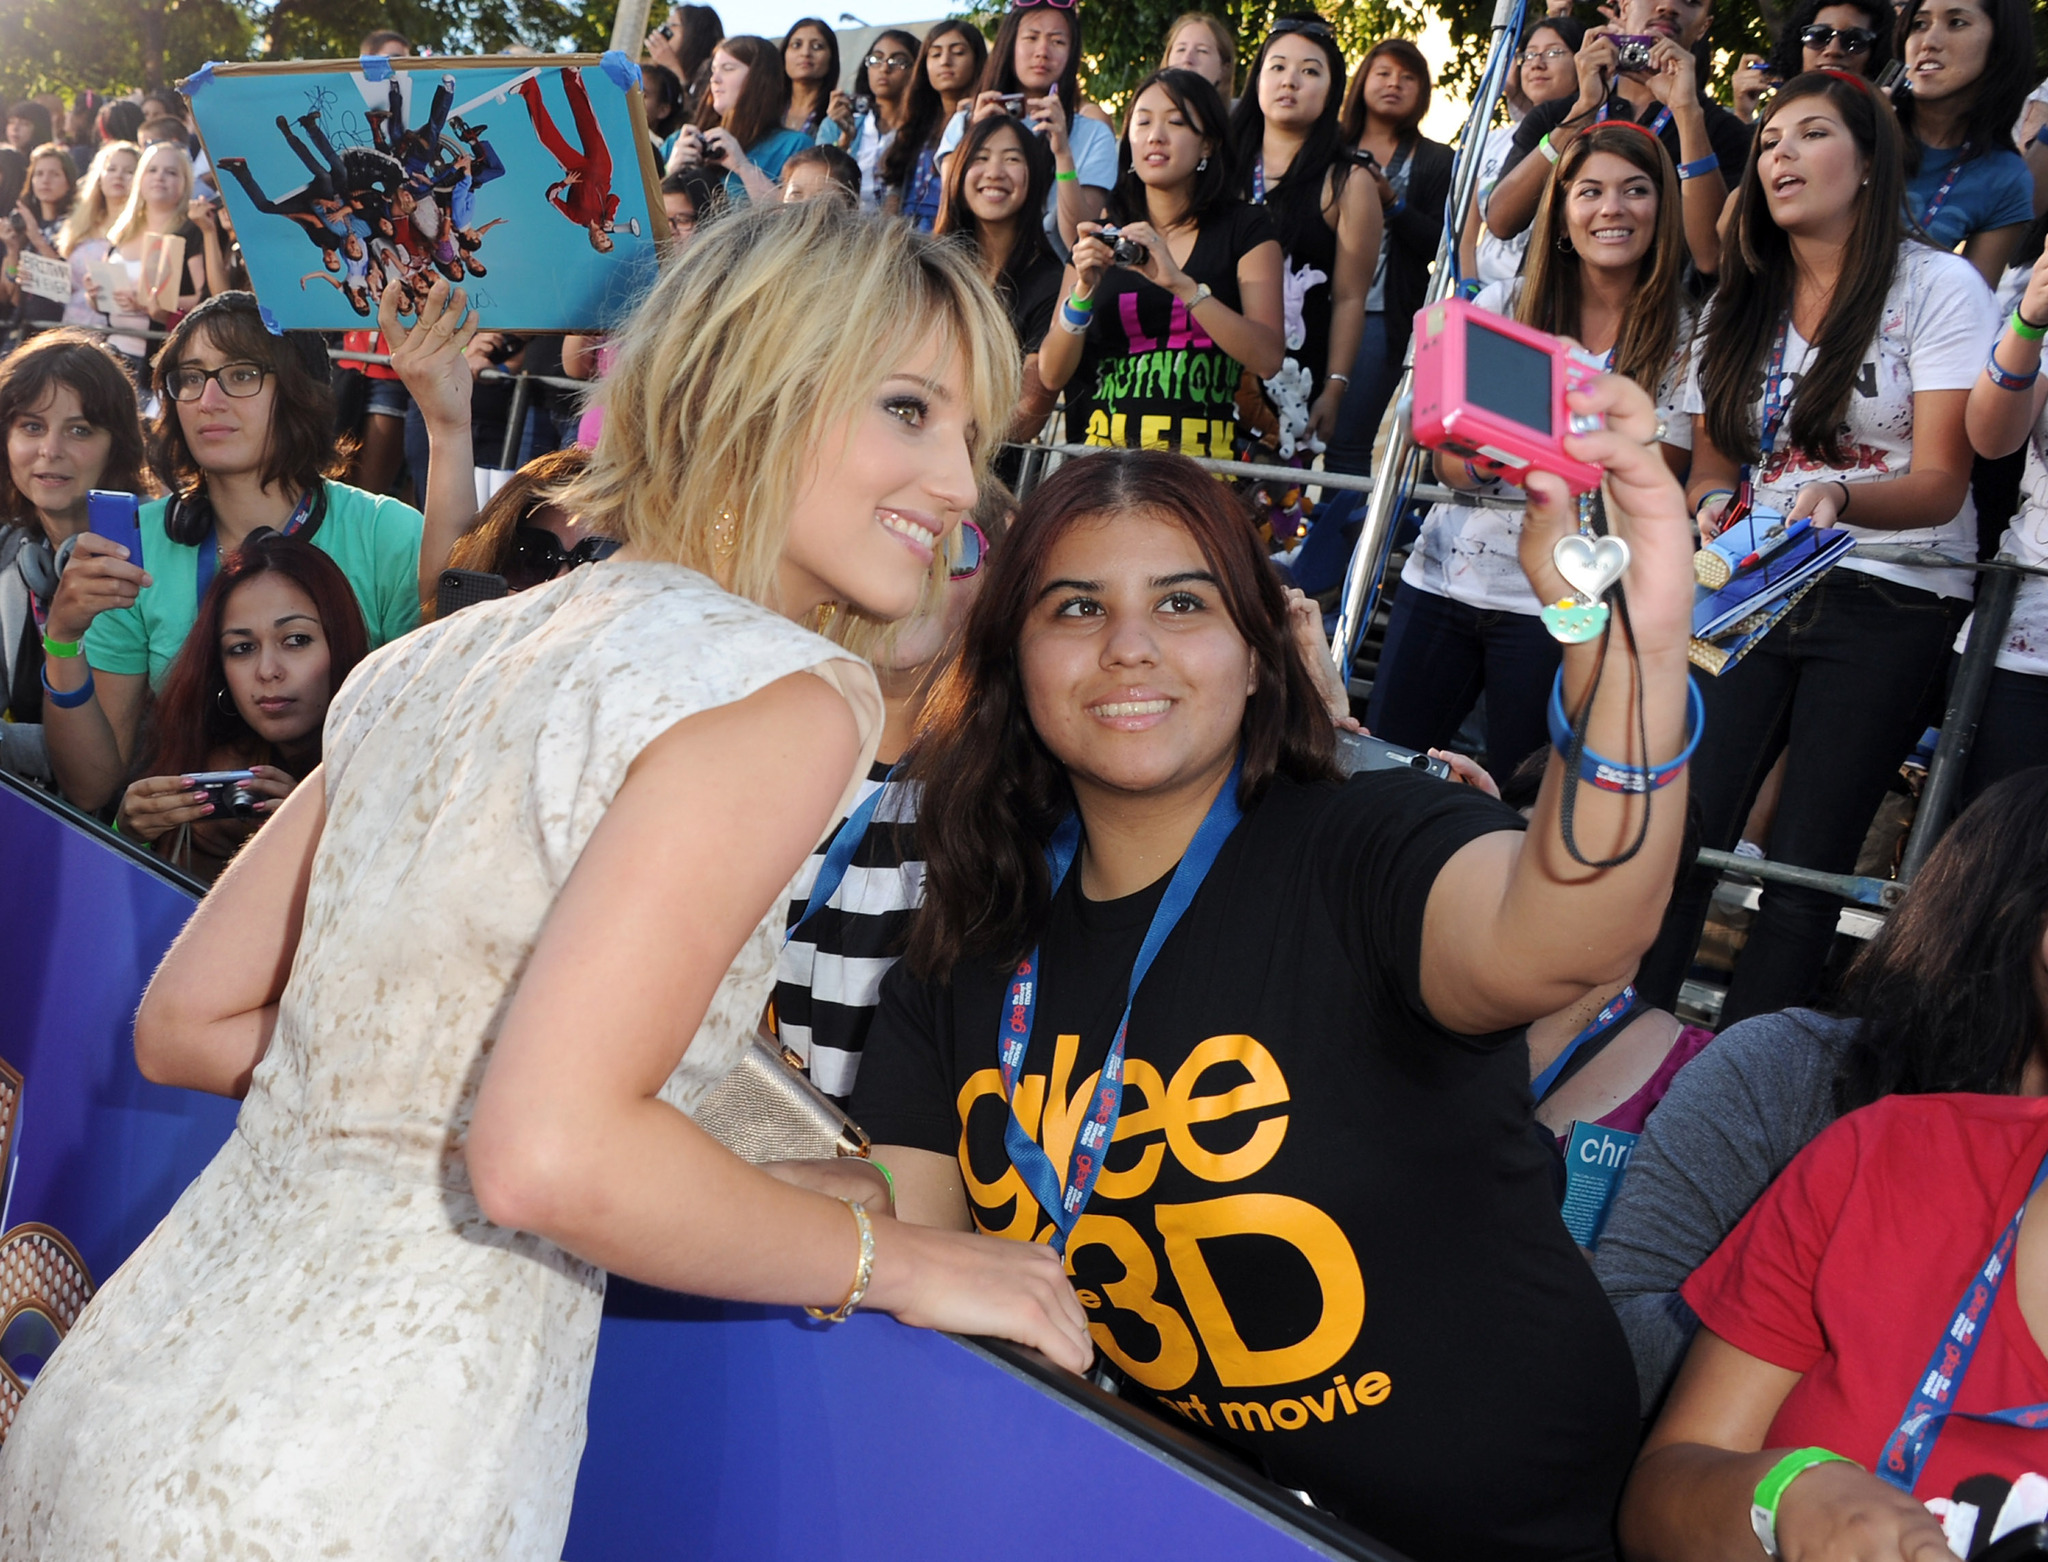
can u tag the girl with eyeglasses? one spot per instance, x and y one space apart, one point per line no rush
1546 73
1834 35
828 978
1158 324
949 62
882 83
1036 56
1969 64
68 409
244 438
810 59
1606 268
277 634
1831 374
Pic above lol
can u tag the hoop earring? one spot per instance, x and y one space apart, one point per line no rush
224 701
826 613
725 536
1563 244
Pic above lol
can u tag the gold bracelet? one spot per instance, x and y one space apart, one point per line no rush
863 1272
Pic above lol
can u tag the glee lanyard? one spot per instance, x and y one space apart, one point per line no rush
1603 1022
1655 127
1775 396
839 855
209 556
1259 180
1933 1401
1013 1025
1948 183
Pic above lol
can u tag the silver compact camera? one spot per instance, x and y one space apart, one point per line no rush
1125 252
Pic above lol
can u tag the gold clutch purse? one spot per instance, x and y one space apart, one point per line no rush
767 1109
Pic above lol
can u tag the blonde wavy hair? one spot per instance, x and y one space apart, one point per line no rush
733 369
134 219
91 216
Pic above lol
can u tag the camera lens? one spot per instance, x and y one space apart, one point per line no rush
1418 761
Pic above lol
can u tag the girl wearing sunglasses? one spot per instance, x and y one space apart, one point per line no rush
828 978
866 123
1834 35
1969 64
68 410
524 537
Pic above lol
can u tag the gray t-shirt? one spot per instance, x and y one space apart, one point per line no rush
1734 1118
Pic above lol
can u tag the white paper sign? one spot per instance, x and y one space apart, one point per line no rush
44 277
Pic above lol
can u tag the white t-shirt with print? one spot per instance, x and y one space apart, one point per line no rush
2026 637
1471 555
1499 260
1936 328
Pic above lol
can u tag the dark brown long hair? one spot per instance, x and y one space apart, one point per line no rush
957 220
72 358
993 792
302 448
815 96
923 118
1551 295
195 714
999 71
1945 993
762 100
1758 274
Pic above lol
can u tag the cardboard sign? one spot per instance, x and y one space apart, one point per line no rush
44 277
529 181
163 271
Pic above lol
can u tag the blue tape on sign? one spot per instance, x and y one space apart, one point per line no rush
198 78
376 66
269 320
621 69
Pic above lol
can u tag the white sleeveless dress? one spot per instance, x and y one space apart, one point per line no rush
325 1349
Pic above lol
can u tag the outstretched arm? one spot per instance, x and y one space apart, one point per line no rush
429 359
1515 927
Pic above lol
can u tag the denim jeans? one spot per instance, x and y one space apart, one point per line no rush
1374 374
1838 686
2012 734
1440 653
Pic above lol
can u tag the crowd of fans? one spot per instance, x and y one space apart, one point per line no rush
1831 291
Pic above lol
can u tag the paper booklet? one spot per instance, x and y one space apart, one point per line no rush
1749 576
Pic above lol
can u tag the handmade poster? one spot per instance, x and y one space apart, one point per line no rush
44 277
528 180
163 269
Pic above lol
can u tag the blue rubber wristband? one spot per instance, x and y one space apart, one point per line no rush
1705 165
63 701
1611 775
2004 378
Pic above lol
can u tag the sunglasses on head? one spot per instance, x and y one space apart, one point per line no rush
1032 5
1854 39
973 553
538 556
1314 26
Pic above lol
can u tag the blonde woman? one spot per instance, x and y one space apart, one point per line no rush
159 202
467 1071
102 194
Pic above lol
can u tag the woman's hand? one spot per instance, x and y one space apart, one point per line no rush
985 104
99 577
1842 1513
199 212
1822 503
1160 267
156 805
1595 63
662 50
429 356
839 110
2034 301
1468 770
1322 412
1672 75
688 152
1092 256
736 160
1048 116
1305 629
967 1284
270 784
128 302
1645 508
1711 516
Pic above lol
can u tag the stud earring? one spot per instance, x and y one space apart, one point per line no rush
1202 166
725 536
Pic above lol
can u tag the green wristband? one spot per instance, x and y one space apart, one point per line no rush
63 650
889 1179
1071 176
2023 327
1763 1507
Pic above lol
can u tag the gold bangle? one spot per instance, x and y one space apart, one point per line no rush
863 1271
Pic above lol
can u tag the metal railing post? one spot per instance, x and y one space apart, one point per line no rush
515 426
1396 460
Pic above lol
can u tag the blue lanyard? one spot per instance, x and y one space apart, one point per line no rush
1948 183
1259 180
1907 1449
1656 126
1775 395
209 545
1020 1006
1603 1022
839 855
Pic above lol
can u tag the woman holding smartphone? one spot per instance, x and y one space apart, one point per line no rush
1606 268
1832 374
1157 324
949 62
466 1080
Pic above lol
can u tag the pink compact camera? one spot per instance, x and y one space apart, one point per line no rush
1490 389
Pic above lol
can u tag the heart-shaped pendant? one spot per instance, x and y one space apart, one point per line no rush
1573 621
1590 565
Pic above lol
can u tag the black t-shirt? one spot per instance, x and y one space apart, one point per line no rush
1728 135
1031 299
1324 1235
1150 377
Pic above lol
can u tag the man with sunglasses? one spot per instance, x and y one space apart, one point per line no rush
1834 35
1705 141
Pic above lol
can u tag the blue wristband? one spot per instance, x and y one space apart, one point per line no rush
2004 378
1705 165
71 701
1611 775
1076 320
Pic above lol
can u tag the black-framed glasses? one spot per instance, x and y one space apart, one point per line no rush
538 556
895 62
973 553
1855 40
240 380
